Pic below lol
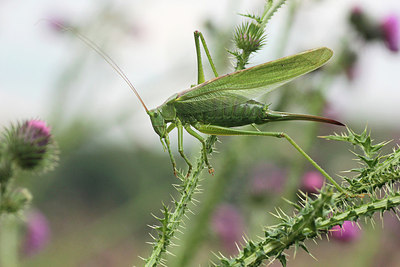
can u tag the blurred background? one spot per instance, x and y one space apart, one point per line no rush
93 210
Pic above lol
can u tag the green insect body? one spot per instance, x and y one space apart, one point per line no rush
226 101
215 106
242 114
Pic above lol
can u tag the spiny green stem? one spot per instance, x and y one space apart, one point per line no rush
379 205
270 9
274 248
175 218
289 236
197 232
172 220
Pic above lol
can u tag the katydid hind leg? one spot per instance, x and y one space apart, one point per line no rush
200 70
219 130
204 150
207 51
198 36
180 147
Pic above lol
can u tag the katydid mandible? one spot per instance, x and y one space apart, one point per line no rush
215 106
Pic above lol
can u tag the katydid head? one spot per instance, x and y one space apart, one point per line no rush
158 122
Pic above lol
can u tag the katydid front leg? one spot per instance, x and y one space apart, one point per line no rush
219 130
203 142
179 126
167 144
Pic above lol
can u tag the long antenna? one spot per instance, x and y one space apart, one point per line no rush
103 54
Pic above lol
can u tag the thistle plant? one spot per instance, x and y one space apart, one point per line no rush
29 147
325 210
372 191
387 30
249 37
171 219
25 148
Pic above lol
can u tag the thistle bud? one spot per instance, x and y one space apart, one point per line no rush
16 200
249 37
364 25
28 143
5 171
387 31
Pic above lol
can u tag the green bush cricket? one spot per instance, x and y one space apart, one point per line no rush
213 107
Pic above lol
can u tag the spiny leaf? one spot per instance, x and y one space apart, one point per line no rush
282 259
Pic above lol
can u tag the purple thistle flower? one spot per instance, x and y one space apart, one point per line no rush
312 181
347 233
357 10
30 141
37 129
37 233
266 180
390 29
228 225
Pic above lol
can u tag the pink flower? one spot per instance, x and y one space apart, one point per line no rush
36 130
267 179
312 181
390 28
356 10
37 233
347 233
30 143
228 225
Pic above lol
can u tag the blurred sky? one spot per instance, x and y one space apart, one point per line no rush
152 42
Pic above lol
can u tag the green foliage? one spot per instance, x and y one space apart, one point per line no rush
376 170
316 215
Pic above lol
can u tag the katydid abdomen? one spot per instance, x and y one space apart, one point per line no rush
244 114
228 116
